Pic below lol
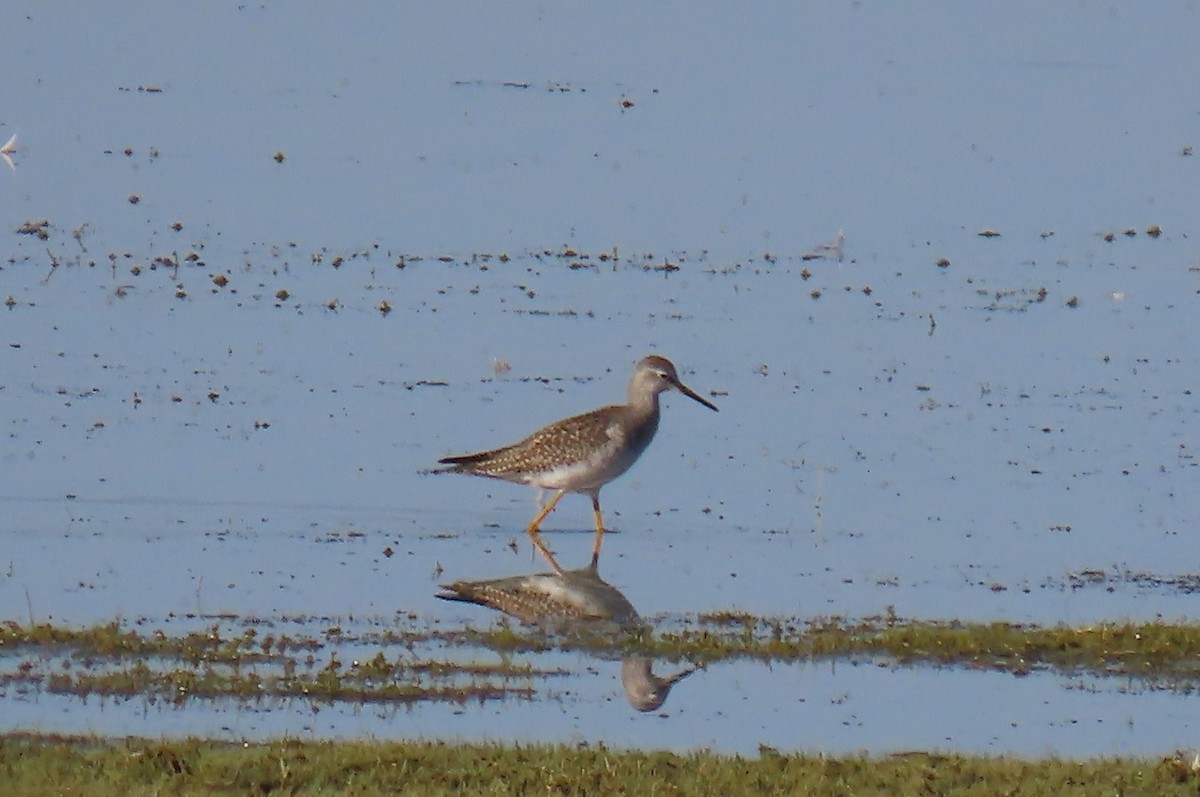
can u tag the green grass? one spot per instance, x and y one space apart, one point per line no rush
393 665
38 767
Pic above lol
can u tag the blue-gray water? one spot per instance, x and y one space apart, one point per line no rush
956 440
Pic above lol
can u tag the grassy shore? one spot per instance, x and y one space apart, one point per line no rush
405 662
39 767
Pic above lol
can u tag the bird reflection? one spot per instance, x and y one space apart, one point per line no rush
644 690
573 600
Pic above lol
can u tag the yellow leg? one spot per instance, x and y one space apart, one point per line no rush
599 530
537 539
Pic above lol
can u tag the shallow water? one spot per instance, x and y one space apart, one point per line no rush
792 707
946 440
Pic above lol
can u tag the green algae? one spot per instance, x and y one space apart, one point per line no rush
396 664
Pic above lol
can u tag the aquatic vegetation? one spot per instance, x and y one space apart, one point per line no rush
399 664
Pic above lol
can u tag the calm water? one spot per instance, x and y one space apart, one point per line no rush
961 439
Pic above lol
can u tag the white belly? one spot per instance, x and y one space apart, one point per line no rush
590 474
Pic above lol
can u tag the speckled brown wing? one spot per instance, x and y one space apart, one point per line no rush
574 595
564 442
527 604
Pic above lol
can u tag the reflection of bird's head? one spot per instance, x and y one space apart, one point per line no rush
644 690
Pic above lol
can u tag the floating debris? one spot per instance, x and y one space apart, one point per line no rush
40 228
9 149
831 250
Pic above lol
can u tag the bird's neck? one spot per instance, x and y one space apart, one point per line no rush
643 403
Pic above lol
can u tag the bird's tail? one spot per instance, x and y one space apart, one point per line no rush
467 463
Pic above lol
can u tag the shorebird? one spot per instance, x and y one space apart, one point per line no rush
583 453
574 600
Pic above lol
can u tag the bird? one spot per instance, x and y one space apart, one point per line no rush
574 600
582 453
